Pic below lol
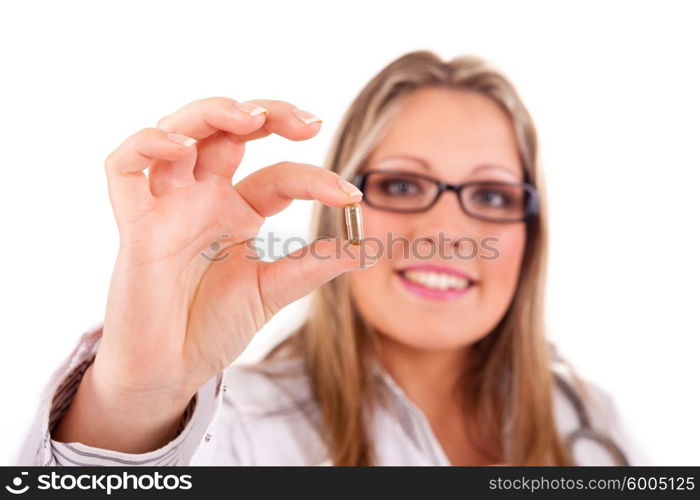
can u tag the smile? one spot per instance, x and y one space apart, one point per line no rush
435 282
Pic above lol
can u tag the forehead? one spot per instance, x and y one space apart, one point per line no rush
453 130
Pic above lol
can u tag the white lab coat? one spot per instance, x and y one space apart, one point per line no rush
252 416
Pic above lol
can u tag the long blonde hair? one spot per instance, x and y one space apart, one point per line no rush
509 386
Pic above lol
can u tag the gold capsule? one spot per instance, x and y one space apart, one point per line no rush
353 223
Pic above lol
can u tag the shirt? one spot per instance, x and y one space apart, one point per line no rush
254 415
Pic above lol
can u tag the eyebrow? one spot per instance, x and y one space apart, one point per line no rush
427 166
485 166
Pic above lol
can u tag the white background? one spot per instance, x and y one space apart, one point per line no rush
612 86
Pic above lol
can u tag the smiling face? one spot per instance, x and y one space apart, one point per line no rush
425 300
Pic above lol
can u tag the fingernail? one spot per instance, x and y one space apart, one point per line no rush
251 109
181 139
305 116
348 188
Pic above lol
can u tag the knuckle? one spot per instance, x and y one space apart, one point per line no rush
305 273
277 103
131 142
109 162
211 103
219 100
145 134
162 123
276 171
279 165
150 131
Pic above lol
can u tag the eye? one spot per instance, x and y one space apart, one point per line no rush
491 197
399 186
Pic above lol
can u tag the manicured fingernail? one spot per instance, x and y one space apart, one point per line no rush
305 116
251 109
348 188
181 139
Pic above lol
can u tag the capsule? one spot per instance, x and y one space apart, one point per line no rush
353 223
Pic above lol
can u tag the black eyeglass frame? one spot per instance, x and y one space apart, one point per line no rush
531 209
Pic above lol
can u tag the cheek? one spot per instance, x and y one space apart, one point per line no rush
368 286
500 265
378 224
373 288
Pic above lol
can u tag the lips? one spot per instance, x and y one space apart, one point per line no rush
435 282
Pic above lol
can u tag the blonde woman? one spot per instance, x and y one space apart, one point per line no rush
432 353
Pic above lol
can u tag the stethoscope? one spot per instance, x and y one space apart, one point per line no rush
585 429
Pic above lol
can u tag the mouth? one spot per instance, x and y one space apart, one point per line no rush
435 282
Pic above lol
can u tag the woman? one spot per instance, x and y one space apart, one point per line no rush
432 353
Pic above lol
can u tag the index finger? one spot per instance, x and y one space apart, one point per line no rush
272 188
242 121
204 117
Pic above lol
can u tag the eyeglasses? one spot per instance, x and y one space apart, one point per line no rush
409 192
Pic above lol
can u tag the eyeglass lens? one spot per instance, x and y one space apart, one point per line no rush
405 192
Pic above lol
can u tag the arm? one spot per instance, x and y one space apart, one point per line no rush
42 446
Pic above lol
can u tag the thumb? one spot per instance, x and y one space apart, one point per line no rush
302 271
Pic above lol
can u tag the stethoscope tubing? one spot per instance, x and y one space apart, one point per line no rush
585 428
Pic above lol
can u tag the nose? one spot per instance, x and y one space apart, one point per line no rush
445 223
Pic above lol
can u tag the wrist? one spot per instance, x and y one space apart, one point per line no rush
136 403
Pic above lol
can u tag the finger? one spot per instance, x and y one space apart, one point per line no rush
128 186
299 273
272 188
207 119
220 153
204 117
218 157
287 120
164 176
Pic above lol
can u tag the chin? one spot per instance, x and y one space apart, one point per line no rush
418 322
429 337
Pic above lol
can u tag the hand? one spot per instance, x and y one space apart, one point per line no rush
174 319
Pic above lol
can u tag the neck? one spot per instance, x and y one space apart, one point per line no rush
430 378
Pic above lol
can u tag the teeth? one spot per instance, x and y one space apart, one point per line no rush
437 281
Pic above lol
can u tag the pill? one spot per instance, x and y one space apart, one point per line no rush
353 223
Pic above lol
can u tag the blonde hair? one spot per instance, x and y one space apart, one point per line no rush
509 386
